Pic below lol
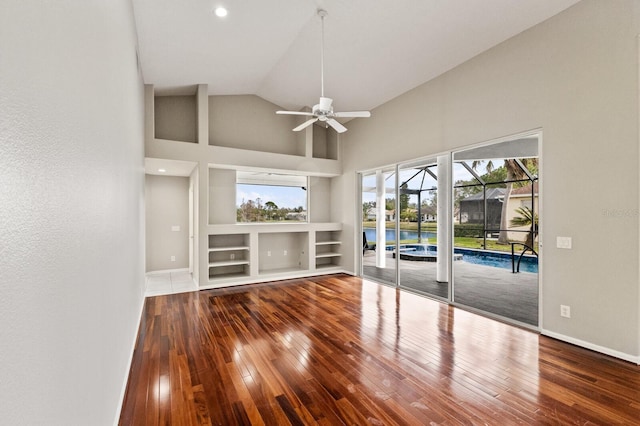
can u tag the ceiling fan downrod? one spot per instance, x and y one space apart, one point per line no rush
322 14
323 111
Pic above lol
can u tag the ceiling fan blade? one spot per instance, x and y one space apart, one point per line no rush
363 114
305 124
309 114
336 126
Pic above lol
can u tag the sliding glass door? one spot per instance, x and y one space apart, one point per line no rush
379 225
496 191
461 227
419 258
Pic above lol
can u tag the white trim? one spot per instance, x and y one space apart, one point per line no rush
507 138
597 348
266 278
638 130
164 271
359 245
541 221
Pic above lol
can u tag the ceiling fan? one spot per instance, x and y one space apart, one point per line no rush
323 111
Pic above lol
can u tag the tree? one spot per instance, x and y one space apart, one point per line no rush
527 218
404 198
272 209
389 204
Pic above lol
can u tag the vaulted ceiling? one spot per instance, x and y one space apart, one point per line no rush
375 50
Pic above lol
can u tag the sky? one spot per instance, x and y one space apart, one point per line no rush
283 196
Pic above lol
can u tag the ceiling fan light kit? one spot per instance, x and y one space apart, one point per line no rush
323 111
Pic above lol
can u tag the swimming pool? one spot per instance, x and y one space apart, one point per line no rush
529 262
496 259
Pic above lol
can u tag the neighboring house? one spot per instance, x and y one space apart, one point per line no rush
390 215
521 197
424 216
371 215
472 208
299 216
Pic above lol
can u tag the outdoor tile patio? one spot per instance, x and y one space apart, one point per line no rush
494 290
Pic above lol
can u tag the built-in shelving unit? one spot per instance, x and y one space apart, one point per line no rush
328 249
229 256
246 253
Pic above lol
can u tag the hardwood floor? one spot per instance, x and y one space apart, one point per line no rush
339 350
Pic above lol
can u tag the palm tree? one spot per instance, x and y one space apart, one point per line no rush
271 208
527 218
514 172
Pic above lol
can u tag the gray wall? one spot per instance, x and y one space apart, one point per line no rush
176 118
320 199
166 206
250 122
72 220
574 76
222 196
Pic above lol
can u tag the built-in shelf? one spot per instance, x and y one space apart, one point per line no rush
229 256
329 254
328 244
232 248
322 266
228 263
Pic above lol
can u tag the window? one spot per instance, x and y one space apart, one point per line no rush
270 197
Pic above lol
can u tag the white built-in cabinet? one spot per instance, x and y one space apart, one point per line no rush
259 252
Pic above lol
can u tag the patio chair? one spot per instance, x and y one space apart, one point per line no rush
365 245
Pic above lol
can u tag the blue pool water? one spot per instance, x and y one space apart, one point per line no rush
390 234
529 262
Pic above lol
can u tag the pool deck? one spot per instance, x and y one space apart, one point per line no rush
491 289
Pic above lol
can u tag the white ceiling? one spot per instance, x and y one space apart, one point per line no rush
375 50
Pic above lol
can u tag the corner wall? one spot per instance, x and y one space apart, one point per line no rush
72 215
575 76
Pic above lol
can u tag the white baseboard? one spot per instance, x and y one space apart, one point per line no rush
597 348
166 271
266 278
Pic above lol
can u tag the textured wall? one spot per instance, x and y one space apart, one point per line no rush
228 118
71 209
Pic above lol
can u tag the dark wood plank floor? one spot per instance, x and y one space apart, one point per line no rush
339 350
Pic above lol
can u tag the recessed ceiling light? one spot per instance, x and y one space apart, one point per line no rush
221 12
162 170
